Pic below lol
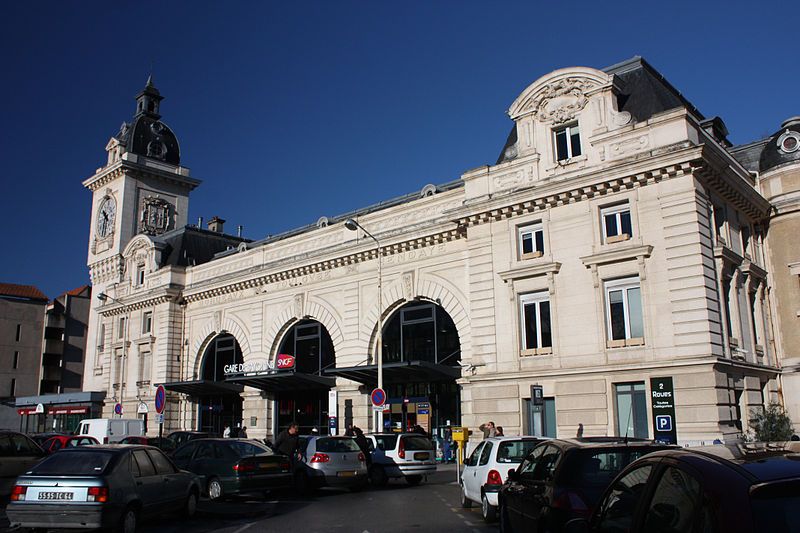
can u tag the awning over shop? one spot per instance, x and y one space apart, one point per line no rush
284 381
398 372
204 387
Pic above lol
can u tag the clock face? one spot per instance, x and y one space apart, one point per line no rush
105 217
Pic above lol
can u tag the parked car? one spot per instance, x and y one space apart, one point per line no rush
232 466
487 467
39 438
111 430
330 461
101 486
754 488
401 455
17 454
164 444
57 442
562 479
182 437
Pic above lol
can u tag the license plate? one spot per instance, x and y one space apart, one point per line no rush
347 473
421 456
55 495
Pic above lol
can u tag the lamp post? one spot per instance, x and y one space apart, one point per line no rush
352 225
103 297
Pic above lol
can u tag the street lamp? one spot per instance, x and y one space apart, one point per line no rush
352 225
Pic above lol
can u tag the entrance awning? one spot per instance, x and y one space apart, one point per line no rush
284 381
204 387
398 372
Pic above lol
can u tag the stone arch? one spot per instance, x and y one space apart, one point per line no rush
210 331
312 308
427 287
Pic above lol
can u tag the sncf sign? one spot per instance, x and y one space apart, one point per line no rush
284 361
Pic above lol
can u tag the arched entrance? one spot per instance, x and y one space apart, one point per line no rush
421 360
219 408
311 345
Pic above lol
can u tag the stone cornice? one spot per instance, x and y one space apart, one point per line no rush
616 254
718 173
530 271
324 265
108 174
145 300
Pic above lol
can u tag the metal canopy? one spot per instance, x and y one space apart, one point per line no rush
284 381
204 387
398 372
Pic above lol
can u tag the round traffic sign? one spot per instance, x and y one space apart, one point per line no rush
118 409
378 397
161 399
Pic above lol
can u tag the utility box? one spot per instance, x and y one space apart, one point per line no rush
461 434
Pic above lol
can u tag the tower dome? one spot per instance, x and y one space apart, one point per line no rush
147 135
783 146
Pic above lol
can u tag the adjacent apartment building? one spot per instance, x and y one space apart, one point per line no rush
613 272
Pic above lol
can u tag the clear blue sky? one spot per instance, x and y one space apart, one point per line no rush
290 111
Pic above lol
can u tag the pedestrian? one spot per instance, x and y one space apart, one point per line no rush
499 432
579 434
226 433
314 431
349 431
287 441
363 445
243 433
488 429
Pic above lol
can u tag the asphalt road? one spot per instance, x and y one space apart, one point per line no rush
432 506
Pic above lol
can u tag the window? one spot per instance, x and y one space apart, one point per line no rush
19 332
536 332
16 359
675 504
631 405
530 241
616 223
121 332
185 453
476 453
546 465
144 365
567 142
624 312
13 387
162 464
620 505
101 337
486 454
147 322
139 275
146 467
720 224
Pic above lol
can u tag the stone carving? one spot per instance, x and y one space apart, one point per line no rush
322 222
562 100
620 119
628 145
506 181
298 306
217 320
156 217
408 285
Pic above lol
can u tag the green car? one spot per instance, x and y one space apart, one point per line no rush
234 466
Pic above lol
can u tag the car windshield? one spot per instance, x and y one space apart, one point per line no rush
776 507
417 443
514 451
386 442
76 463
596 468
334 445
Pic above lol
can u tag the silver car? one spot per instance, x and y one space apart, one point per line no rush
401 455
332 462
110 486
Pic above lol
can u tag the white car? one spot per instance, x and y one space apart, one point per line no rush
487 467
400 455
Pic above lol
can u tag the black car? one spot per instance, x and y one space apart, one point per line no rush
753 488
182 437
233 466
110 486
17 454
562 479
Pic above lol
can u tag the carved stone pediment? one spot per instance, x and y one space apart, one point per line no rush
560 101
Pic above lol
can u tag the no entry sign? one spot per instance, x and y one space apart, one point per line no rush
378 397
161 399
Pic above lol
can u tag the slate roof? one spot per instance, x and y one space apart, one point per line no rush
191 245
27 292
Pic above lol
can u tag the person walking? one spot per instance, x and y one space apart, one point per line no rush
363 445
243 432
288 440
226 433
488 429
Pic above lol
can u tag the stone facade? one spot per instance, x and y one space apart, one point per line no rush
705 301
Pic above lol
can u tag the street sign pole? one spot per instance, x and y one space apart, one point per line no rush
161 403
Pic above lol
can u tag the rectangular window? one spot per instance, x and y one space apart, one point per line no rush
19 332
530 241
144 366
631 405
147 322
101 337
624 310
121 332
535 313
567 142
616 223
140 275
13 387
16 359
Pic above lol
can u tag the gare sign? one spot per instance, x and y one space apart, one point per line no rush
282 362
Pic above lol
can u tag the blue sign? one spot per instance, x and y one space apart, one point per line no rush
118 409
378 397
161 399
332 422
664 422
423 411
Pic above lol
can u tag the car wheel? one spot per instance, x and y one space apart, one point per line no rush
505 523
488 511
190 507
215 492
377 476
466 503
413 480
127 522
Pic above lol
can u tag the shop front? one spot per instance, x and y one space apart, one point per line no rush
58 412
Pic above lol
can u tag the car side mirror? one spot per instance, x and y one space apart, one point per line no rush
576 525
513 475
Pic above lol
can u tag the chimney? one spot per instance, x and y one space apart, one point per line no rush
215 224
239 230
200 222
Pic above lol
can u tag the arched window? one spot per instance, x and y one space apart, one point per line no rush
421 331
311 345
223 350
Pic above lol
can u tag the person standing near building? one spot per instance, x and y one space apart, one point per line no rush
287 441
226 433
488 430
243 432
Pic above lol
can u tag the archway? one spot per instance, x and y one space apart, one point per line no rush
220 408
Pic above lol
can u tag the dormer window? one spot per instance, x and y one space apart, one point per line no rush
139 275
616 223
567 142
531 241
